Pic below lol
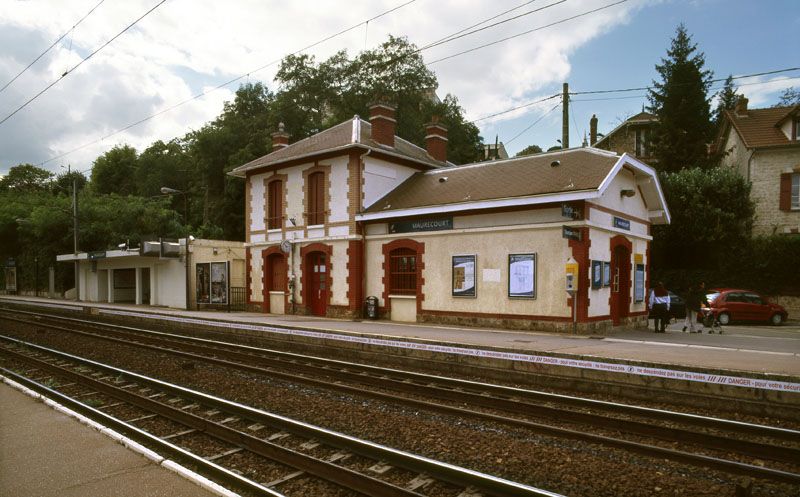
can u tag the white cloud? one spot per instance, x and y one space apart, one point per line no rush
188 46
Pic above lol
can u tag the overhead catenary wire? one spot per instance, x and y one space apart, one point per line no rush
51 46
222 85
527 32
534 123
69 71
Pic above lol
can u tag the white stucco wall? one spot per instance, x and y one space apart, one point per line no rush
257 202
381 177
339 189
632 206
167 279
492 248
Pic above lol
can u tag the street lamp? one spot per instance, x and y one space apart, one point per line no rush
165 190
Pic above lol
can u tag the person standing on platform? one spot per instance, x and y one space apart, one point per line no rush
659 305
692 307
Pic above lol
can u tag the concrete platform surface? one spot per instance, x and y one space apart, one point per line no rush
46 453
752 348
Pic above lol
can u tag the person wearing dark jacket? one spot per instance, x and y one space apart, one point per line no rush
695 299
659 305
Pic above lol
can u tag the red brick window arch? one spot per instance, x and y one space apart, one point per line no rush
403 271
316 198
275 205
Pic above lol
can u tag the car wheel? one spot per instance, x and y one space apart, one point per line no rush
724 318
776 319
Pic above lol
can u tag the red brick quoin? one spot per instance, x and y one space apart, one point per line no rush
355 276
580 252
419 248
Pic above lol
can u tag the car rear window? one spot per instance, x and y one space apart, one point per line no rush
711 297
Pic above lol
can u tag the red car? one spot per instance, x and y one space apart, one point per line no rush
732 304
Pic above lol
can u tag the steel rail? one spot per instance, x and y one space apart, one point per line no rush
226 476
457 384
347 478
754 449
456 475
648 450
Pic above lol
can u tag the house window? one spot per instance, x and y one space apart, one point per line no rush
316 198
403 272
796 191
641 142
275 205
797 129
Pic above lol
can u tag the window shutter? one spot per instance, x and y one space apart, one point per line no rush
785 202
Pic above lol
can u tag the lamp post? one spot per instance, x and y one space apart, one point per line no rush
165 190
20 220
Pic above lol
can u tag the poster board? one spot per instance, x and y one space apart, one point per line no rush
464 271
606 273
522 276
202 283
597 274
211 283
638 284
219 282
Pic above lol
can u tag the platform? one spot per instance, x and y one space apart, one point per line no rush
46 453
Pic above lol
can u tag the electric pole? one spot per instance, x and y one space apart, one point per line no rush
565 117
75 237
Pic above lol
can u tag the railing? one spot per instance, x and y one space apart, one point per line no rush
237 300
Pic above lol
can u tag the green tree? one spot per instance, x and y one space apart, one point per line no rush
529 150
115 171
712 215
26 178
790 96
313 97
680 101
63 182
727 98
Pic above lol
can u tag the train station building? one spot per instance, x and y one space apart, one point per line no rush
356 211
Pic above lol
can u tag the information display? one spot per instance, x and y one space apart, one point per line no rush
606 273
638 284
464 276
522 276
211 284
597 274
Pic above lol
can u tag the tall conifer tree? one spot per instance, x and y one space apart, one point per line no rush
727 99
680 100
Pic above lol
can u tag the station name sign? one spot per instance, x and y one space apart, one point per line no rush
571 233
444 223
622 224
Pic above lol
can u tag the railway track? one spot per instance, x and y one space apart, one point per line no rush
729 442
220 430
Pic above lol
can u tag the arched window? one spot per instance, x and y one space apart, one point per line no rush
275 205
315 191
403 264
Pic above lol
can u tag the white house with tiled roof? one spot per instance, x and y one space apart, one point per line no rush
355 211
763 145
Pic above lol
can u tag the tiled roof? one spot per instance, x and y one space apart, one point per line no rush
579 169
759 128
640 118
354 132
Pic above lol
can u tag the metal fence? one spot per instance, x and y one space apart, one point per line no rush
237 299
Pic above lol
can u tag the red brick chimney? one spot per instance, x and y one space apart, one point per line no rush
381 117
741 107
593 130
280 139
436 139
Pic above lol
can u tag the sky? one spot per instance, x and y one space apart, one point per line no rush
186 47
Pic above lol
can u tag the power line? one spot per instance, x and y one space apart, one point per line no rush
527 32
557 95
534 123
462 34
68 71
222 85
51 46
717 80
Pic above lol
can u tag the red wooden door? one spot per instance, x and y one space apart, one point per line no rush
318 283
620 284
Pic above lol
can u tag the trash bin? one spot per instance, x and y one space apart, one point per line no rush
372 307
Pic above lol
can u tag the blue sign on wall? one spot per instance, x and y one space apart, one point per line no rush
623 224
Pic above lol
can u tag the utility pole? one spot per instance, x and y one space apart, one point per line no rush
565 117
75 238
